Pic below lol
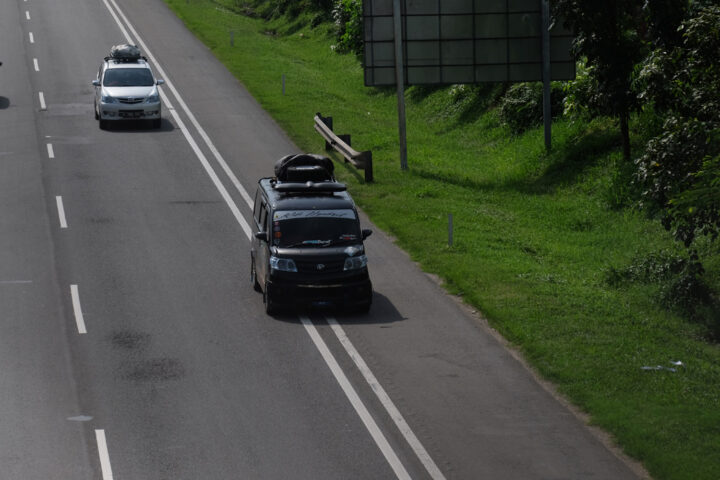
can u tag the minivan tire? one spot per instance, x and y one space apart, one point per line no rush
253 276
270 305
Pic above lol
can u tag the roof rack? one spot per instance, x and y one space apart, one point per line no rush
125 60
308 187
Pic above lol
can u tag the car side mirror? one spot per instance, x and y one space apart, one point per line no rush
96 83
262 236
366 233
160 81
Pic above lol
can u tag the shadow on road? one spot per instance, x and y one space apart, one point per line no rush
382 311
138 126
4 103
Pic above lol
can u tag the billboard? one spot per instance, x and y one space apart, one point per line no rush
462 41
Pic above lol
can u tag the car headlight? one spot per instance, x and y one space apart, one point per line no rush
282 264
154 98
355 263
105 98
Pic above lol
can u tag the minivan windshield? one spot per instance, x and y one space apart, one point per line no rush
128 77
315 228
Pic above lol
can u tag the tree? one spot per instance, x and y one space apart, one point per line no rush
680 169
606 35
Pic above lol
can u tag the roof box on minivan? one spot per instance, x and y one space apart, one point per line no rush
306 167
125 52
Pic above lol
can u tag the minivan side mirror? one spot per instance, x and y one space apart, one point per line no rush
160 81
262 236
366 233
96 83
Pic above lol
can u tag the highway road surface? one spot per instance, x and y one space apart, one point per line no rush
132 345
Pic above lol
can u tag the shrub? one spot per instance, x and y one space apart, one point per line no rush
348 18
522 106
680 285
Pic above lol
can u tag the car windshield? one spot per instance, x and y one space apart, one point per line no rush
315 228
128 77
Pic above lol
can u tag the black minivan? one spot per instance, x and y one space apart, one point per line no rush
308 246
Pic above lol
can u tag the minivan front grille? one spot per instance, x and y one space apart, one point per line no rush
320 266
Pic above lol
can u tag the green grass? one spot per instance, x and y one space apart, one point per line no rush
535 234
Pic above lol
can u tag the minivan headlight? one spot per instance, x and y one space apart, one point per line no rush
153 98
105 98
282 264
355 263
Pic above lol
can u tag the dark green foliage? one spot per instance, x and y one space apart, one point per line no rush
348 18
680 285
293 8
607 37
679 169
664 18
653 268
522 106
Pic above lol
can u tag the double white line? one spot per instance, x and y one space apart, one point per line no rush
377 435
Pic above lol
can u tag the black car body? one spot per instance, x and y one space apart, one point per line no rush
308 246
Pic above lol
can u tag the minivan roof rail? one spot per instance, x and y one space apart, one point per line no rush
308 187
125 60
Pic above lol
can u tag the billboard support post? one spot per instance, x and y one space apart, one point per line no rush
400 81
545 33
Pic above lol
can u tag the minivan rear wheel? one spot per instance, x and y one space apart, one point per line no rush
253 276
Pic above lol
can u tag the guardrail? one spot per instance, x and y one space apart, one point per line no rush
341 144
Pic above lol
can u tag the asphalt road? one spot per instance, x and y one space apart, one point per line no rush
132 345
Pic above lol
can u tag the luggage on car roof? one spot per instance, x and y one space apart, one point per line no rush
125 51
304 167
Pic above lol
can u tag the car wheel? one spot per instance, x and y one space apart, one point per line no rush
156 123
253 276
270 305
102 124
97 117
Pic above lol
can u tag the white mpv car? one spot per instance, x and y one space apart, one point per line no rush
126 89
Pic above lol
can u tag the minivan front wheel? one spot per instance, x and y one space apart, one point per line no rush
270 305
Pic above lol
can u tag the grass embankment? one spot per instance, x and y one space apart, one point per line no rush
534 234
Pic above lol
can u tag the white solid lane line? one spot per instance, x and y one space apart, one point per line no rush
210 171
77 309
223 164
359 406
61 212
104 455
42 101
196 149
51 151
384 398
370 424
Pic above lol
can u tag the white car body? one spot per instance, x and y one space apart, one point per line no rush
127 90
